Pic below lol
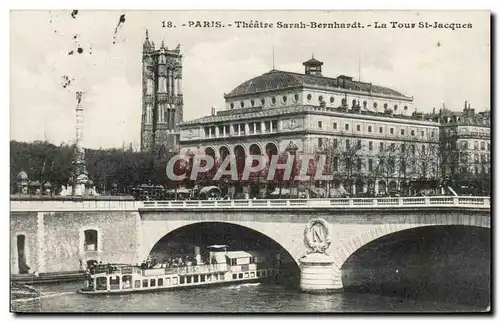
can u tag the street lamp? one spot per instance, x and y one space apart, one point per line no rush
292 149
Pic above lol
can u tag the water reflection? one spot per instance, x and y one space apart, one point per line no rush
252 297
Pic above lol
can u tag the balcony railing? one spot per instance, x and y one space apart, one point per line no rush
394 202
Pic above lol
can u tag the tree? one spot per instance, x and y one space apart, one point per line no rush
345 160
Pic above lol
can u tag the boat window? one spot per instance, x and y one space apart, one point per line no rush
202 278
264 273
216 277
144 283
137 284
127 281
189 279
182 280
101 283
258 273
160 282
195 279
252 274
167 281
126 270
233 261
153 282
209 277
221 276
235 276
174 280
240 275
246 275
114 283
252 260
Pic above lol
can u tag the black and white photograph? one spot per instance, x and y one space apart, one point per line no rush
244 161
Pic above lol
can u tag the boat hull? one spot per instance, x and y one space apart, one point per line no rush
175 287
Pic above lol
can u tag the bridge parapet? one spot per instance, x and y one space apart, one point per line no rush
432 202
354 203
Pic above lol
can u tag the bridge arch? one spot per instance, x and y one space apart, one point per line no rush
350 246
154 231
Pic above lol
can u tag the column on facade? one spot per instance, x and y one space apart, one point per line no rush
168 115
254 127
168 82
247 129
224 130
175 83
262 127
172 80
217 134
172 115
280 125
376 187
179 86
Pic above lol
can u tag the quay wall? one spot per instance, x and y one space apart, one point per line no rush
55 241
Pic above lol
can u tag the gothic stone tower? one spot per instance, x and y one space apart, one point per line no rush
162 102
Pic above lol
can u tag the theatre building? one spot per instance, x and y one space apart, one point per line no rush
375 141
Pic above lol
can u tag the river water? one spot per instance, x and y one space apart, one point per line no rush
251 297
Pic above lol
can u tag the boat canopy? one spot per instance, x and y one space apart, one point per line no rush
238 254
217 246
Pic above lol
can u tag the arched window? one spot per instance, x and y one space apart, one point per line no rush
91 240
309 96
21 255
332 99
149 86
242 104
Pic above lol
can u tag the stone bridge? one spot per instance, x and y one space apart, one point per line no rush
58 234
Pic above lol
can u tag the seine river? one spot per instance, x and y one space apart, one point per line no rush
441 269
253 297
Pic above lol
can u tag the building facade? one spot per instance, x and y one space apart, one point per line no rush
162 100
465 144
373 141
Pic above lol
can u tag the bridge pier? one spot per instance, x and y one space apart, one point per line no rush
319 275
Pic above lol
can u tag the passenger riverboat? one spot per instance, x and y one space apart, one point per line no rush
226 267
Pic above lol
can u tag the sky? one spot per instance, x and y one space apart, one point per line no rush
435 66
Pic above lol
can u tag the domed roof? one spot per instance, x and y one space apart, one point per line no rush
47 185
22 176
279 80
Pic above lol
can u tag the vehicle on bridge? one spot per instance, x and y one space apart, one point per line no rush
226 267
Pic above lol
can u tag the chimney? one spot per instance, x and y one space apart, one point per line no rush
213 111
